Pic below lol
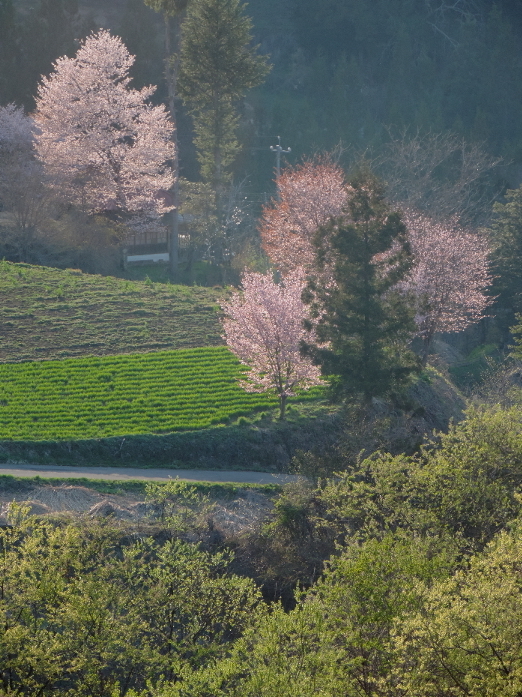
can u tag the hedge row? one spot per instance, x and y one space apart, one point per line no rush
242 447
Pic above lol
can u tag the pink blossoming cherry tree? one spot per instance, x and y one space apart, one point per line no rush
449 277
264 328
309 195
103 146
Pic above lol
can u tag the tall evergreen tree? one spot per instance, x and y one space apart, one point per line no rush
138 29
50 30
172 11
218 65
363 323
8 51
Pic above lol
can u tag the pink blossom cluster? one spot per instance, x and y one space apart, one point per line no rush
449 277
264 328
103 146
309 195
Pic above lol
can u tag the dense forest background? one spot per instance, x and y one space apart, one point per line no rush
355 72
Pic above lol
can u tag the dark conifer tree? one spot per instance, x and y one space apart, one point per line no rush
9 57
505 235
363 321
173 12
51 30
218 65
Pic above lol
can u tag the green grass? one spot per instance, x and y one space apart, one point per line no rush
49 313
100 397
216 490
203 273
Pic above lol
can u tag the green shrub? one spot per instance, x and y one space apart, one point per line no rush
464 484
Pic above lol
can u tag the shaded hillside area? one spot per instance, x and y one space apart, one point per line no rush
50 313
263 443
390 63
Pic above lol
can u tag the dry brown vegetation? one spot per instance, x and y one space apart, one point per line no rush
53 313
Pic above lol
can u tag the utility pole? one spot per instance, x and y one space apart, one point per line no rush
278 150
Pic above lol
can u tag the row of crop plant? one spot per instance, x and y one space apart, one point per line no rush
98 397
50 313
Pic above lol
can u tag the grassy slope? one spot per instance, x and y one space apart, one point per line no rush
260 444
216 490
50 313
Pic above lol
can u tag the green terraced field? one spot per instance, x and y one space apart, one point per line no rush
51 313
122 395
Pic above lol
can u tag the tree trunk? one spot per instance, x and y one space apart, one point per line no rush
173 245
282 406
426 346
189 269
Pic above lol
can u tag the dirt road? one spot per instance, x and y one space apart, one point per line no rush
133 473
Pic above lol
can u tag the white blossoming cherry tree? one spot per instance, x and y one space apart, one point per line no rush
264 328
103 146
21 189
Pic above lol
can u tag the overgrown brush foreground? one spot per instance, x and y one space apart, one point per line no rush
122 395
409 570
50 313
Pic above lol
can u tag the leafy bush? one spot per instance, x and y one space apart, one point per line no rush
464 484
465 639
88 612
337 640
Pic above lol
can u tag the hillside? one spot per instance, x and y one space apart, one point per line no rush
50 313
374 65
125 400
117 382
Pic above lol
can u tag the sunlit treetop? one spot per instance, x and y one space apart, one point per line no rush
104 147
449 277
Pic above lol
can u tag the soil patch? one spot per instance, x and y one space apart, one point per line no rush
231 515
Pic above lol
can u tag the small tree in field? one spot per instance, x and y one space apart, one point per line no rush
309 195
264 328
449 276
103 146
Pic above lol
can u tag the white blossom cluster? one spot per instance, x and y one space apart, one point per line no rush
103 146
449 275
